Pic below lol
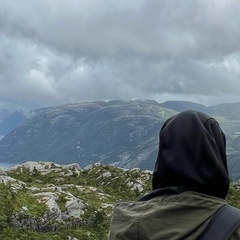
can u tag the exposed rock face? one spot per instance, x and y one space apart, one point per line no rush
75 208
3 172
24 219
57 196
48 167
50 195
50 199
16 184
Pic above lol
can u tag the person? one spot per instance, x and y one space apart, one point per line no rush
189 185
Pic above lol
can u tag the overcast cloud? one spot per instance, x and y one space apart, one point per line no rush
55 52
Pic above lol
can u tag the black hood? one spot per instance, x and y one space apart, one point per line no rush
192 154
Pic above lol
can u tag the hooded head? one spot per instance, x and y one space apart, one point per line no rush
192 155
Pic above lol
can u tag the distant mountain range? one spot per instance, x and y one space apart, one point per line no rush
229 111
119 133
9 120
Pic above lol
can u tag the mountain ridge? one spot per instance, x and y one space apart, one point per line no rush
118 133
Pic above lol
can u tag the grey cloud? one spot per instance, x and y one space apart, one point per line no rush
100 28
53 52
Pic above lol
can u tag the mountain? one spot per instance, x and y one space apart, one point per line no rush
118 133
230 111
180 106
10 120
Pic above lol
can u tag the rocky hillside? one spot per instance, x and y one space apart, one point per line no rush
44 200
44 197
116 133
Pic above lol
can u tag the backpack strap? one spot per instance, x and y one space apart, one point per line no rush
223 223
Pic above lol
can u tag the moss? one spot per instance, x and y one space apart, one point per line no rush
233 196
62 200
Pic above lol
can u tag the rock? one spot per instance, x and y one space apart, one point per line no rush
47 167
54 212
25 209
75 208
70 238
73 166
16 184
43 167
3 172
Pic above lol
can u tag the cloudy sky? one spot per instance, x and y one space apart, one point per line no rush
55 52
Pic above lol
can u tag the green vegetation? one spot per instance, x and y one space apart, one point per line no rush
97 188
233 197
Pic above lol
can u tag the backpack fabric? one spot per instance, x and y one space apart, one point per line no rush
222 225
182 216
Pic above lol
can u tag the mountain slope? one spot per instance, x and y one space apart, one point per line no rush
229 111
183 105
116 133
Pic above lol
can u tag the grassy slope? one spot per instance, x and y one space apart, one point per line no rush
98 186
